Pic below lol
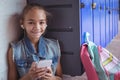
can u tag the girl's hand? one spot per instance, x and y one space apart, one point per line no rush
36 73
31 72
48 75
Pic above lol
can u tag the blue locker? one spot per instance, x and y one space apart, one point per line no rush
107 22
115 18
102 23
116 14
86 19
113 26
96 21
115 7
111 18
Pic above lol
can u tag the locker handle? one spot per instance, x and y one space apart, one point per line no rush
100 7
109 12
93 5
82 5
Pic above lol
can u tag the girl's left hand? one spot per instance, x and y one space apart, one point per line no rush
49 74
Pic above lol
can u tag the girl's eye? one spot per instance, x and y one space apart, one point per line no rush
42 23
30 22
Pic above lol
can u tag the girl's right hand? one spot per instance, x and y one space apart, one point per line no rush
36 73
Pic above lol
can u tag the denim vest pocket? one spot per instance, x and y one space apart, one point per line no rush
22 67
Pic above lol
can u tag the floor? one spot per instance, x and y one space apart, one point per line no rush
113 47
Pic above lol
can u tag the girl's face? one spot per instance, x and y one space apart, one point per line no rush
35 23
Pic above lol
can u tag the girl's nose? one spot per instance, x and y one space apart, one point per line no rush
37 26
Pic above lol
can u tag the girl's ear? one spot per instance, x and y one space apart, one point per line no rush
21 21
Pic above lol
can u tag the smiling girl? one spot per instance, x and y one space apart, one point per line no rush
24 54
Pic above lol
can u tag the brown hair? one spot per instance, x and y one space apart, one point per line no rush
30 6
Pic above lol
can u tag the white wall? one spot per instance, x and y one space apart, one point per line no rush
9 29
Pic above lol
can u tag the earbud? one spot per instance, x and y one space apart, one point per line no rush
22 27
46 25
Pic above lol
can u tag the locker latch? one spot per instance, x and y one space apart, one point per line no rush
93 5
82 5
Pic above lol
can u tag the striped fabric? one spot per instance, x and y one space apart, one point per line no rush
110 63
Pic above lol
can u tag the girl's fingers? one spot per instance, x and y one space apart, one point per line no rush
49 70
40 72
48 74
39 75
33 66
32 70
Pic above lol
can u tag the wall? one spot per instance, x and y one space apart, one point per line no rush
9 29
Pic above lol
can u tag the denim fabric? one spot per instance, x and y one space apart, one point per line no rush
24 53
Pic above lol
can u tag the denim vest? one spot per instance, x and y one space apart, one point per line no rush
23 57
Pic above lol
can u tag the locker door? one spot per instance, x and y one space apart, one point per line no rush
115 26
64 26
102 23
115 22
96 21
116 14
111 18
86 19
107 22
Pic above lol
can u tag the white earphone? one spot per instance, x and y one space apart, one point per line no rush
22 27
46 25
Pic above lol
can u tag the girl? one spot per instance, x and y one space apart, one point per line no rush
23 55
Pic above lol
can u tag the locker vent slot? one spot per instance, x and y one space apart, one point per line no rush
67 53
59 6
66 29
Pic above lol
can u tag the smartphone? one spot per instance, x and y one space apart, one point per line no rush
44 63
